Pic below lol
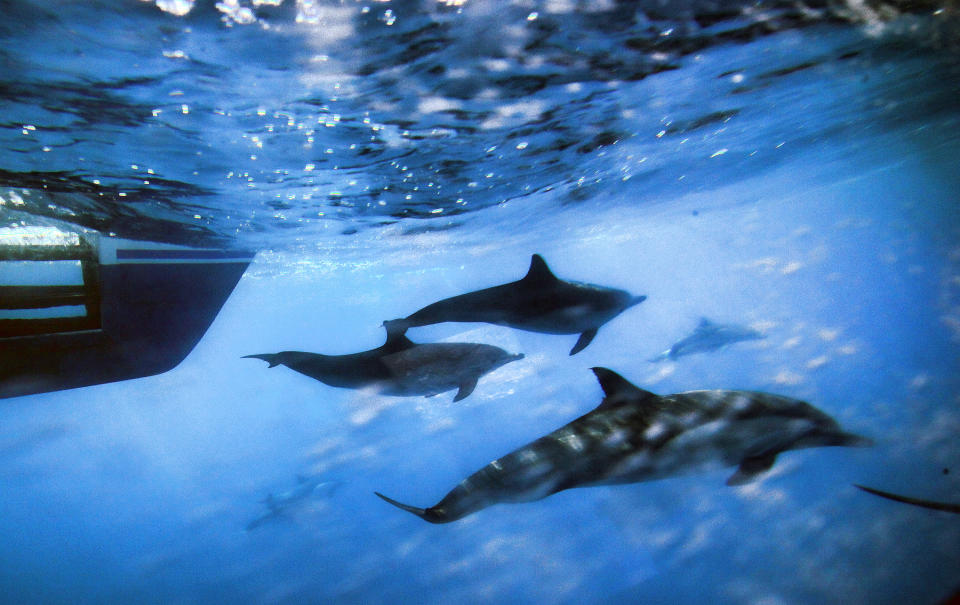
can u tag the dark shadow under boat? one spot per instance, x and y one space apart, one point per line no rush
89 309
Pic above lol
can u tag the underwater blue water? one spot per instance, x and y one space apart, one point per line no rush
786 167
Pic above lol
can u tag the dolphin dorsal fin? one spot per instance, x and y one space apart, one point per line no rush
539 272
617 389
396 337
704 323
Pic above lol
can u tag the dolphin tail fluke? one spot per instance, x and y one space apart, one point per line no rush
582 342
270 358
424 513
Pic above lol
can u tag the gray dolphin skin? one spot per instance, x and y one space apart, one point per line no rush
540 302
708 336
285 503
400 367
635 435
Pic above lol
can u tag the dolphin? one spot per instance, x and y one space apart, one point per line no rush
540 302
400 367
635 435
285 503
931 504
708 336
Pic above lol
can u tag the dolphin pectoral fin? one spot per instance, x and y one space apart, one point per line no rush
740 478
583 341
750 468
423 513
466 387
270 358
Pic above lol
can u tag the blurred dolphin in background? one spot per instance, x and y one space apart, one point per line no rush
288 502
708 336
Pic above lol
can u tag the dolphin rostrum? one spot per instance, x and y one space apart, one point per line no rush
708 336
635 435
540 302
400 367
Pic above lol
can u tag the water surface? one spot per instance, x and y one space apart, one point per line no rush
781 166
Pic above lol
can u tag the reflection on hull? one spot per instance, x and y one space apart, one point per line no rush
98 309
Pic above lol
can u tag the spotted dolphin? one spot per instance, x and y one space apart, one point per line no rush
540 302
400 366
635 435
708 336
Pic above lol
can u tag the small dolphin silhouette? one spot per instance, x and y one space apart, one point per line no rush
400 367
283 504
540 302
635 435
931 504
708 336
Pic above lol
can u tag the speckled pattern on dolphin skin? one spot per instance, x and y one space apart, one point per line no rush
635 435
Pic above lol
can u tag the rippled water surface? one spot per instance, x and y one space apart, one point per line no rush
787 167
